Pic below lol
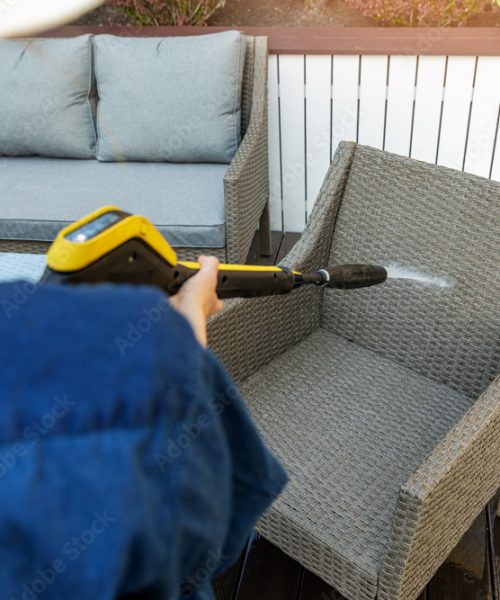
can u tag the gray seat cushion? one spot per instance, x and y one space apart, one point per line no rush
169 99
364 425
15 266
39 196
45 98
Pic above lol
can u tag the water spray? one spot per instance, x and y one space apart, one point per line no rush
395 271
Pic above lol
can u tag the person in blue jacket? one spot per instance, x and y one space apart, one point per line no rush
128 462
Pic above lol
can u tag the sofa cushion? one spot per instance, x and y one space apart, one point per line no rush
169 99
39 196
45 91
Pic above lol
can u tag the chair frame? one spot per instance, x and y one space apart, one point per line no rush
442 498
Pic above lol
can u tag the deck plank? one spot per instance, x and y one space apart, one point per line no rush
466 574
282 243
254 255
225 585
313 588
289 241
269 574
496 553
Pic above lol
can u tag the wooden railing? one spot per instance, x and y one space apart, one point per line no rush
432 94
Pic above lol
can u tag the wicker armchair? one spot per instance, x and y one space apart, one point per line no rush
246 183
381 402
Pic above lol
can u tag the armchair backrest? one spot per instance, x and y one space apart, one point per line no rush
443 224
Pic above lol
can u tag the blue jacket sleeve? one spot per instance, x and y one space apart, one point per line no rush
128 461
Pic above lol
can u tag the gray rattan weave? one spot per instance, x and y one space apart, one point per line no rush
381 402
246 183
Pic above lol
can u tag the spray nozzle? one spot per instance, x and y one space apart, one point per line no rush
349 277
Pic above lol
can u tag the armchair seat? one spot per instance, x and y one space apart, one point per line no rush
350 426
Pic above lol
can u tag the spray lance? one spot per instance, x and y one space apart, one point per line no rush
111 245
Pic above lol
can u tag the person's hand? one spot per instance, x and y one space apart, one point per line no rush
197 299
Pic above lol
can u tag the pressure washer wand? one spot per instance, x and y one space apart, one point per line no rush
241 281
113 246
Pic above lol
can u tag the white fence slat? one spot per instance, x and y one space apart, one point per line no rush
274 147
318 130
435 108
345 99
485 101
372 95
293 140
456 108
400 96
495 170
429 95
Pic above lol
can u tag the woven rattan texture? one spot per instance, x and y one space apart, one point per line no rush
247 87
438 221
24 247
364 426
442 498
194 253
248 334
246 184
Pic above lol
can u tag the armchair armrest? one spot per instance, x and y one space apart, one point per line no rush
250 333
442 498
246 184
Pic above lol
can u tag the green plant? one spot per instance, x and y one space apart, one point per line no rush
440 13
168 12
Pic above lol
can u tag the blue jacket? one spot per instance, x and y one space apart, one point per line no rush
128 460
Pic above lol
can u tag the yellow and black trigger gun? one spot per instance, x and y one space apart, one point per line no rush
113 246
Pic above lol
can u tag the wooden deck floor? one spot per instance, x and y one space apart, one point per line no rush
471 572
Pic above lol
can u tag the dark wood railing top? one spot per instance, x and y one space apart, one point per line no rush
473 41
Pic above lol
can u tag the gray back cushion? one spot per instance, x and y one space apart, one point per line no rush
169 99
45 90
444 224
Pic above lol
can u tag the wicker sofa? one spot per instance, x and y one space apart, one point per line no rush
381 402
241 187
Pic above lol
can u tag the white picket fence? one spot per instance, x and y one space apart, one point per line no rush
439 109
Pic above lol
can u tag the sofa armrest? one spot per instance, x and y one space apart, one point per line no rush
442 498
246 183
250 333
